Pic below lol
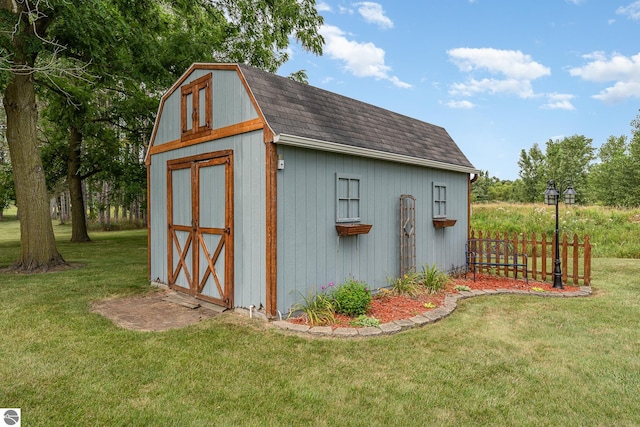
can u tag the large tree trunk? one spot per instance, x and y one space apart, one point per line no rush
78 215
37 242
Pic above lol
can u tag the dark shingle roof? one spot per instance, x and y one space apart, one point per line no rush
302 110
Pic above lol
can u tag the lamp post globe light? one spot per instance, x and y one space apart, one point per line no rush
552 197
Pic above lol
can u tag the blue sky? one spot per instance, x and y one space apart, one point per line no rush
499 75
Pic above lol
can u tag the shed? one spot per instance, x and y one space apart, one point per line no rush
262 189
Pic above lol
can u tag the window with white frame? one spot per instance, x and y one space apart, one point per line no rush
439 200
347 198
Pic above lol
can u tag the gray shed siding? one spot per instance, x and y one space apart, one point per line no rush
231 105
249 213
311 254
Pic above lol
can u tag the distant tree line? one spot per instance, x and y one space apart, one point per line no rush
608 176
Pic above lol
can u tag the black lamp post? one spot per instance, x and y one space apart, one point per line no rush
552 197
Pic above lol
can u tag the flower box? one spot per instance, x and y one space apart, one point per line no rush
444 222
353 229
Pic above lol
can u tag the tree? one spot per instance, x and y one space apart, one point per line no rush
568 162
144 63
609 180
633 167
532 174
21 41
491 189
50 40
480 187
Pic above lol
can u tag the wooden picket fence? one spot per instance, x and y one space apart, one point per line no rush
575 256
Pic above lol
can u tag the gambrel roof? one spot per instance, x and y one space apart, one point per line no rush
300 114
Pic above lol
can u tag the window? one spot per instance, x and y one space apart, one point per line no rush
195 107
348 198
439 200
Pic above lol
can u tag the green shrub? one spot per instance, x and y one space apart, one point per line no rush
433 279
352 298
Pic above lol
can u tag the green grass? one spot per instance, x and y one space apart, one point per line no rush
614 233
498 360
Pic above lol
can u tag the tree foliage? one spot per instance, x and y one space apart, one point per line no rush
491 189
608 176
615 179
532 173
568 161
609 180
101 66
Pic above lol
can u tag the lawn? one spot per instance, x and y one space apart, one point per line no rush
498 360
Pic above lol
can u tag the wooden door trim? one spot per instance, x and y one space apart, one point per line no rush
199 158
182 251
225 290
171 235
211 269
195 163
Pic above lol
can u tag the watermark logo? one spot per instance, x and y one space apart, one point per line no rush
10 417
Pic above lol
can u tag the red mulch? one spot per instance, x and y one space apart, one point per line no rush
388 308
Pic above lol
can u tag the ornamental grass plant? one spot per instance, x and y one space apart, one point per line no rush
428 280
317 308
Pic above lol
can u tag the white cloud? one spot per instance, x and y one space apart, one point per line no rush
514 71
492 86
632 10
512 63
559 101
619 92
374 14
509 72
323 7
397 82
361 59
623 70
603 69
464 104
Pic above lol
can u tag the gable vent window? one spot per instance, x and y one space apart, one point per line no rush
348 198
195 107
439 200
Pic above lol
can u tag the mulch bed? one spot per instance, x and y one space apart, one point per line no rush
388 308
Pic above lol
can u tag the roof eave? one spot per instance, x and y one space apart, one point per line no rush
315 144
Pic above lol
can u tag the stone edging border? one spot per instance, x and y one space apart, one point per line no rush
431 316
